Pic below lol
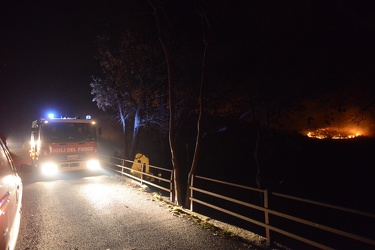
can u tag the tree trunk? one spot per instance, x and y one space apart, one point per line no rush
135 138
198 142
171 103
123 123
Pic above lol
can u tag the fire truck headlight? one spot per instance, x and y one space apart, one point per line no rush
49 168
93 164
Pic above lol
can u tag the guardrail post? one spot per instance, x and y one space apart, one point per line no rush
122 166
266 217
143 169
172 195
191 193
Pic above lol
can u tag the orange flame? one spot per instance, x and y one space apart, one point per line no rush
334 133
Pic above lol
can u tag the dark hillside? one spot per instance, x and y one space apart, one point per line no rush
333 171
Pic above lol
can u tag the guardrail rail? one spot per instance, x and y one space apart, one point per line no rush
315 224
119 165
273 220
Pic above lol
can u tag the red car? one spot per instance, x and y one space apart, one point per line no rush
10 200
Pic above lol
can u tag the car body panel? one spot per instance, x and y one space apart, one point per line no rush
11 189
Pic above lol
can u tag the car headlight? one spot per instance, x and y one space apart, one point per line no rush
93 164
49 168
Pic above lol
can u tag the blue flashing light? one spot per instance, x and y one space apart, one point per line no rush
88 117
51 116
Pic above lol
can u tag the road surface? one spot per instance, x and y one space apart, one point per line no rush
101 211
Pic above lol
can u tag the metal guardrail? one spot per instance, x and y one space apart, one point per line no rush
118 165
267 223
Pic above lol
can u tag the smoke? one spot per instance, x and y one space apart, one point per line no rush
349 120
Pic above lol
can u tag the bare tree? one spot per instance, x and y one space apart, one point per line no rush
198 140
131 84
171 101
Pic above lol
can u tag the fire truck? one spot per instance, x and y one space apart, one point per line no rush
64 144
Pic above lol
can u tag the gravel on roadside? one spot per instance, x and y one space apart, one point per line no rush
254 241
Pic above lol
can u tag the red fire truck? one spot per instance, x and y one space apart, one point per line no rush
64 144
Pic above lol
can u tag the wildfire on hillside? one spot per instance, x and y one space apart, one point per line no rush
333 133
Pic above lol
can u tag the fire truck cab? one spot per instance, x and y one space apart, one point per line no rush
64 144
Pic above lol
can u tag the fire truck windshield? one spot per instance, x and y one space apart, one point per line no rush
68 132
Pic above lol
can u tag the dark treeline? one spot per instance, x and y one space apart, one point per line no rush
223 88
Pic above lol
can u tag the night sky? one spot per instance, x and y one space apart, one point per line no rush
47 54
47 48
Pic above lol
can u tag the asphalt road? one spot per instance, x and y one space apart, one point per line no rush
101 211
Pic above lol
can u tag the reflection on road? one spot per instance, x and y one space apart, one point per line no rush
99 195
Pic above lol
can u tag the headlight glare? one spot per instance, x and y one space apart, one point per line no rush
49 168
93 164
